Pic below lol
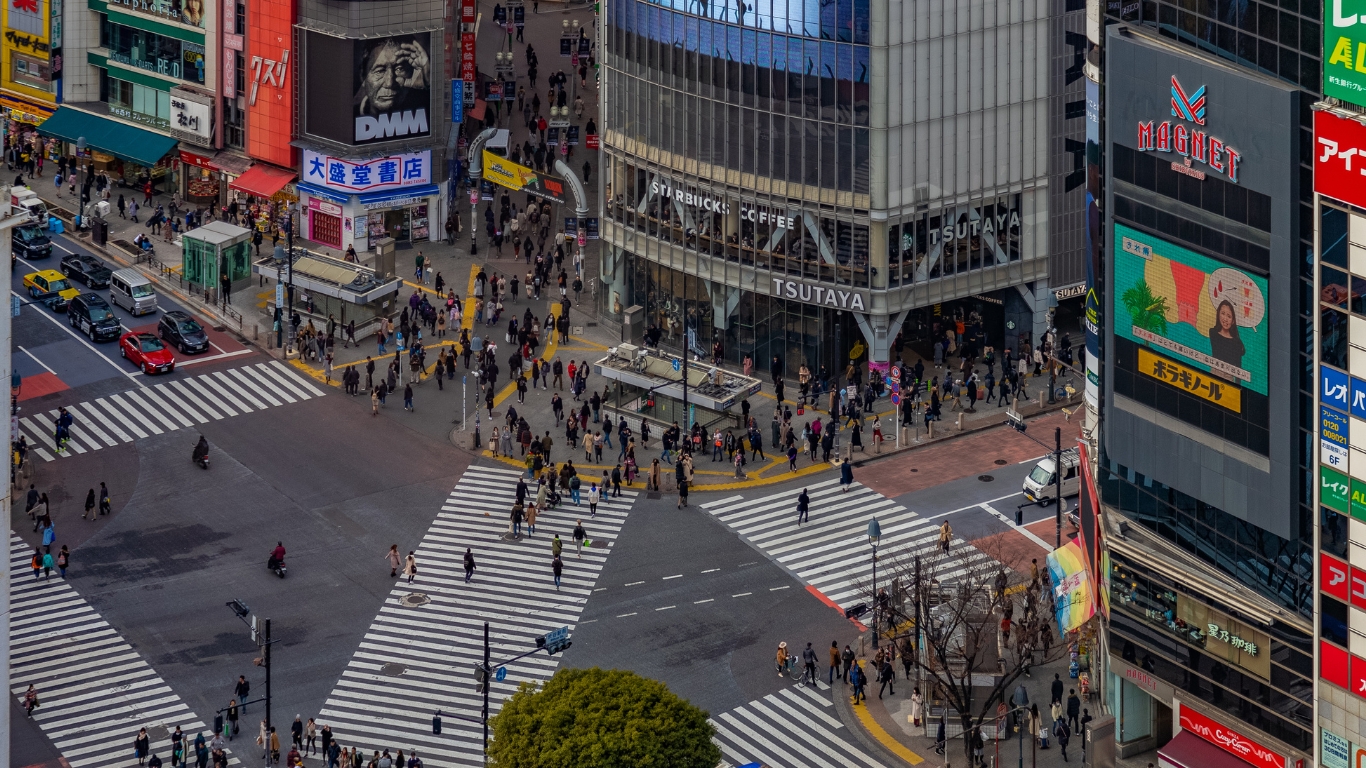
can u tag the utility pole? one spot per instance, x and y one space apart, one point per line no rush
6 369
1057 485
267 665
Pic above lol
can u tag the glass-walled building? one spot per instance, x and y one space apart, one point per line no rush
796 179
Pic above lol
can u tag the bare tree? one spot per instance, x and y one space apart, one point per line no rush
964 655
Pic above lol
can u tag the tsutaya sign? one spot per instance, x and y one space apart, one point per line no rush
1192 142
814 293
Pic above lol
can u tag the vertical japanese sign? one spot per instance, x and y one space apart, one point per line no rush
270 97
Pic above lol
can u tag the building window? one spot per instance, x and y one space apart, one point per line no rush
139 103
234 133
155 53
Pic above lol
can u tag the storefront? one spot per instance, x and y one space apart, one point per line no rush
199 180
24 111
1247 667
129 155
356 203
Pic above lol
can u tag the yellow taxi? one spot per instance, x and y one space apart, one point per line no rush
51 288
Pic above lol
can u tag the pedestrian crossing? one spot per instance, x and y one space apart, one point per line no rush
94 691
419 654
831 552
794 728
176 404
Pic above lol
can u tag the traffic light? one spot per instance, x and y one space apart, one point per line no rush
481 678
240 608
554 642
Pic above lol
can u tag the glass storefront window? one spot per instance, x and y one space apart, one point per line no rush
139 103
154 53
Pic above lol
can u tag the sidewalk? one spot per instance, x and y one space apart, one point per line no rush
883 725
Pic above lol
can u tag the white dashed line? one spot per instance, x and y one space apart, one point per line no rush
632 584
775 589
711 570
599 589
624 615
665 608
708 600
666 578
743 594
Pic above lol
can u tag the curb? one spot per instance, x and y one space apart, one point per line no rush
175 291
868 732
970 430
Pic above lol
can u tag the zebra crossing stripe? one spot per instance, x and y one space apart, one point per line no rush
829 552
794 728
170 406
95 691
414 661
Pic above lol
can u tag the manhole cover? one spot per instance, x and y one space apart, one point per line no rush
1001 462
985 478
156 733
393 669
414 600
598 544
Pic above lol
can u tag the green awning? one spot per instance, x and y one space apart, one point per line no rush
121 140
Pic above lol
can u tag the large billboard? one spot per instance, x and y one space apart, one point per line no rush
1344 51
1181 304
387 95
504 172
270 94
1199 381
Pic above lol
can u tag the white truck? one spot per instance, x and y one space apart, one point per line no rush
25 199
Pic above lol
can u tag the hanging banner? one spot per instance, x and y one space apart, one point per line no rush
506 173
1072 590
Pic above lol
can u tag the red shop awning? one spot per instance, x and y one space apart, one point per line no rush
477 111
263 180
1187 750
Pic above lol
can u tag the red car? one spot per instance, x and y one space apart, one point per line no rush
147 352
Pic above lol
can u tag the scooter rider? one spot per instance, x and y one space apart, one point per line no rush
201 450
277 557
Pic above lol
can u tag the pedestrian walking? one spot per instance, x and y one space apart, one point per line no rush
469 564
809 664
594 496
556 566
846 476
847 656
296 732
141 746
885 675
803 506
408 396
395 560
410 567
945 535
311 738
580 537
89 505
63 560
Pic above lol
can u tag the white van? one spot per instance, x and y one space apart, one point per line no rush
498 143
130 290
24 199
1039 486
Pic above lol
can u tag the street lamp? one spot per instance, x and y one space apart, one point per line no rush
874 533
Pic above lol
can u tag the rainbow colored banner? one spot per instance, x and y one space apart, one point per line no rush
1072 589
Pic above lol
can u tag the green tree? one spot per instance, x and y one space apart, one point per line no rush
584 718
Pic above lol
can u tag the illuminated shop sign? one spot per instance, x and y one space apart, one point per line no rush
748 212
1192 143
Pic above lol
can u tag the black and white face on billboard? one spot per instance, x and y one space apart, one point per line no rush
393 88
387 96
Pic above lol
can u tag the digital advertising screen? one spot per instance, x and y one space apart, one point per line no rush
393 88
1190 307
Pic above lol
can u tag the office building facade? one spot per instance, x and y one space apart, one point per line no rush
800 180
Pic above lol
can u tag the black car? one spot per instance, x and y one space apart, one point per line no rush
29 241
180 329
90 314
87 269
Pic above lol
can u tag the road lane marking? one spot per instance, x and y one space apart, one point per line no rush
708 600
1028 534
775 589
665 608
666 578
632 584
624 615
131 376
743 594
711 570
36 360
